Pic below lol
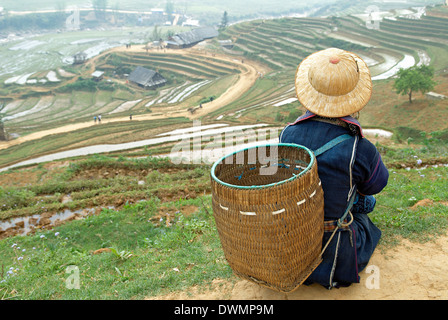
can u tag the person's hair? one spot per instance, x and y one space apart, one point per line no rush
356 115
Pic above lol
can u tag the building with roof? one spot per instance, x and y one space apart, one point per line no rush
227 44
79 58
146 78
190 38
97 75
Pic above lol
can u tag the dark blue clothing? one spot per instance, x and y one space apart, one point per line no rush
350 249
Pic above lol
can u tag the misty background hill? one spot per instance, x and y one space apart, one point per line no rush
205 12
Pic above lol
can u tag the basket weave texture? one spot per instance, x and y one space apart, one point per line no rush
270 225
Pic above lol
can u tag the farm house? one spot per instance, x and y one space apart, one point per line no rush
190 38
146 78
98 75
79 58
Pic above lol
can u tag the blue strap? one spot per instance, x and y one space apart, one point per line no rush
327 147
332 144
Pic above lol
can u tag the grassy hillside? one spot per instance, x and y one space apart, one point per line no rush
283 43
151 228
278 44
136 226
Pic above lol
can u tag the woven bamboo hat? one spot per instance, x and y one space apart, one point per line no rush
333 83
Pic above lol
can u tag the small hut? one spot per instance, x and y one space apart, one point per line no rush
146 78
97 75
191 38
79 58
226 44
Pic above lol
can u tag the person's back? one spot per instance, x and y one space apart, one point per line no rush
352 167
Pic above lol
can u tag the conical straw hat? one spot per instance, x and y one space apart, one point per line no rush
333 83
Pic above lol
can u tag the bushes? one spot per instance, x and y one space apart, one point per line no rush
106 86
11 198
208 99
91 86
80 85
409 134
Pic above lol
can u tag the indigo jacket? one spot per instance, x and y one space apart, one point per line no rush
350 250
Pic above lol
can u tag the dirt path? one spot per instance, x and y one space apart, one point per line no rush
410 271
248 76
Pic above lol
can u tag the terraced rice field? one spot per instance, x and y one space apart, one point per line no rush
283 43
273 48
189 78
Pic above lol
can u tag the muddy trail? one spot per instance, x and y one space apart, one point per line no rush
411 271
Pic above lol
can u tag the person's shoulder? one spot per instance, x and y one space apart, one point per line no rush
367 151
366 145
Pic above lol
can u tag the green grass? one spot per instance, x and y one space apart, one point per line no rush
394 214
157 246
147 258
102 190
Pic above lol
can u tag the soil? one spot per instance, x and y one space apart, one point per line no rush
411 271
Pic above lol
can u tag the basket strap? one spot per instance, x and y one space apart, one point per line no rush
328 146
351 194
332 144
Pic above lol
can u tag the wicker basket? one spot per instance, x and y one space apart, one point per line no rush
270 225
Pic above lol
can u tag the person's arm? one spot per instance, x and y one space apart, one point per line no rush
369 172
376 179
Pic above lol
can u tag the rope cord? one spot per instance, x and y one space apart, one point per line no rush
350 198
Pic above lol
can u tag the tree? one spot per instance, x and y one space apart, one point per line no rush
61 5
169 9
100 7
156 34
224 21
3 134
416 78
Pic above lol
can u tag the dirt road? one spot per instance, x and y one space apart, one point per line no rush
411 271
248 76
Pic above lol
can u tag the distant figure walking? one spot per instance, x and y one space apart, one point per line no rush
94 119
99 118
130 117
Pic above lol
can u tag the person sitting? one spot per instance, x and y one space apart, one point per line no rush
334 85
